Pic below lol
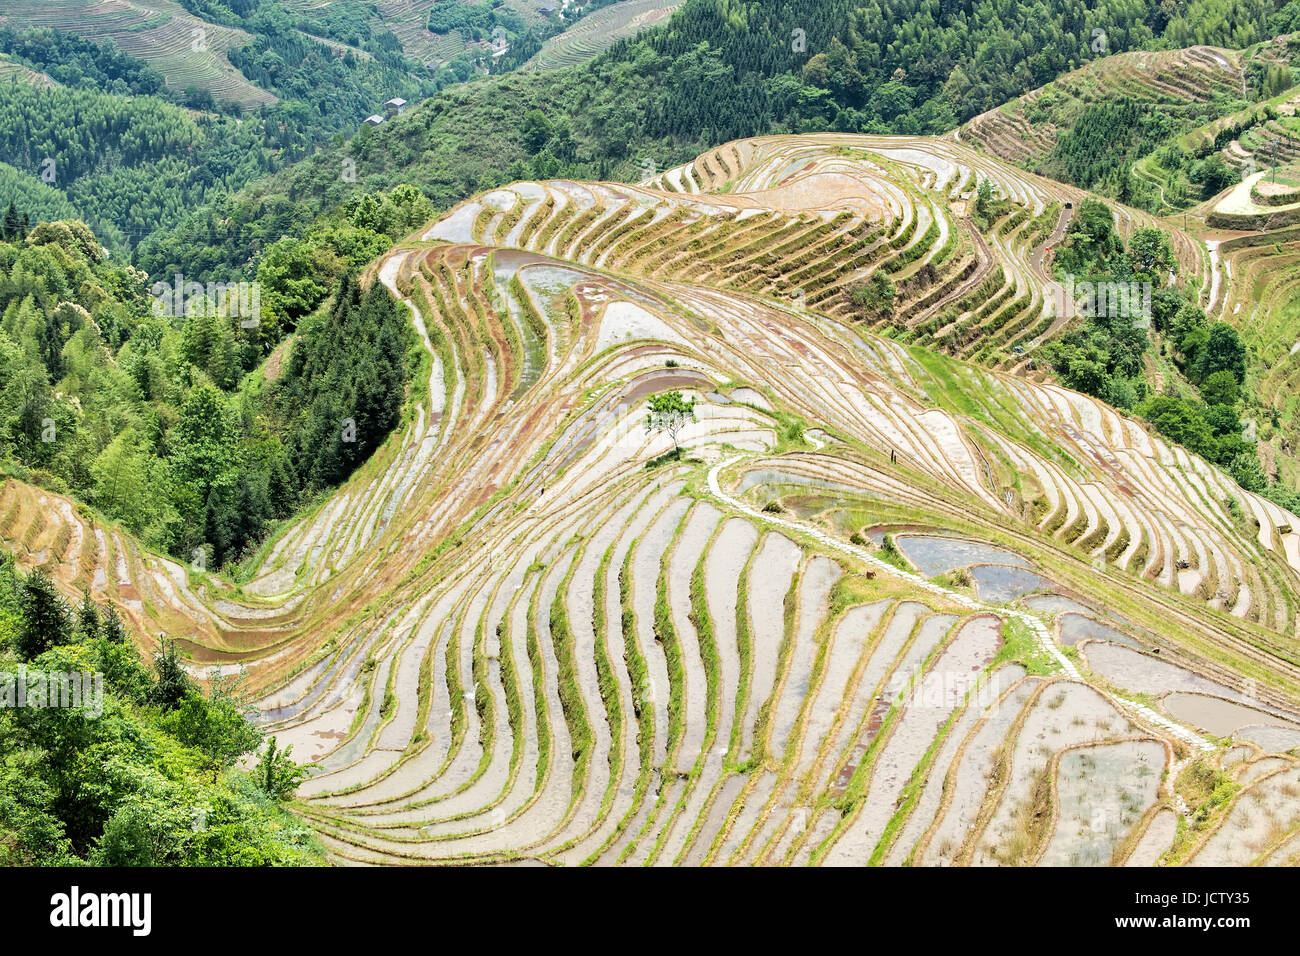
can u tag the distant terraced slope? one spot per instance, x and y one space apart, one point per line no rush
408 21
900 205
187 51
1257 289
598 31
507 639
14 72
1026 129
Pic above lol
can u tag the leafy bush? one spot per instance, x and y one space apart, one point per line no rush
148 774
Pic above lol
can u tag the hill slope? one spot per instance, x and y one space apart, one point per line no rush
1027 128
507 637
186 49
598 31
1141 125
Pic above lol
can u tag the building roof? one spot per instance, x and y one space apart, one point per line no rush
395 101
373 119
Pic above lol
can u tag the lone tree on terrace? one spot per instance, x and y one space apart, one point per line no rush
669 413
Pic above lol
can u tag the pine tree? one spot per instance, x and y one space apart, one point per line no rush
111 629
223 360
87 618
12 228
173 681
46 617
49 344
199 338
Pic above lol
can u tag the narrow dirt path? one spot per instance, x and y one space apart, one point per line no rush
1215 276
1038 262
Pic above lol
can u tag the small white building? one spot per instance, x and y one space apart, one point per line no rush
395 105
373 120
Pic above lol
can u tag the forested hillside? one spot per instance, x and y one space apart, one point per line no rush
144 770
719 70
164 146
154 408
1106 355
149 161
1159 131
132 155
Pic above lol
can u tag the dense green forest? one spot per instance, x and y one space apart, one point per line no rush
42 203
144 771
1098 152
131 164
165 421
74 61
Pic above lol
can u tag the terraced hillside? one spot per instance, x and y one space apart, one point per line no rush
900 206
888 607
1254 256
1247 159
1177 81
188 51
408 21
1180 107
598 31
14 72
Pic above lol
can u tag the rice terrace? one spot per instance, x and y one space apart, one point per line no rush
806 501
